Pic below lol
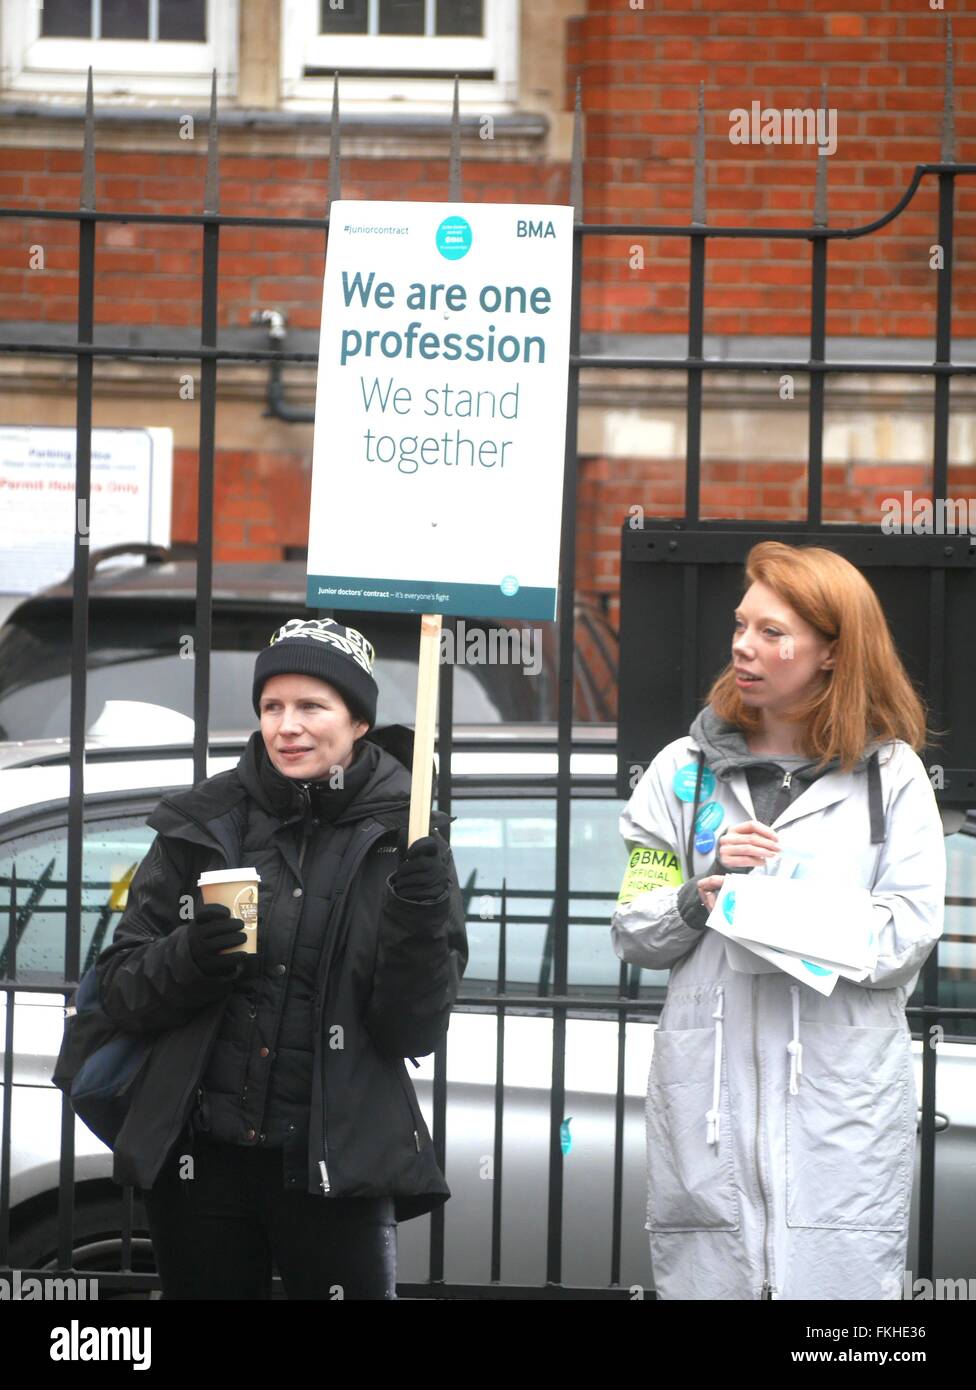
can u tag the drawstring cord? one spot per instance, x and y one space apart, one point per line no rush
794 1047
712 1116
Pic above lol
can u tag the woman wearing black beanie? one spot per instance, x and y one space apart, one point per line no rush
275 1120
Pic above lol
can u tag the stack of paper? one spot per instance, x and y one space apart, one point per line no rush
815 930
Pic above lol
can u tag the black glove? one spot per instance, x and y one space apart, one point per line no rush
212 931
422 876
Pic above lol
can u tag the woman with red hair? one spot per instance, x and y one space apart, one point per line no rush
781 1120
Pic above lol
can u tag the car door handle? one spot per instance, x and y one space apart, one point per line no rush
941 1121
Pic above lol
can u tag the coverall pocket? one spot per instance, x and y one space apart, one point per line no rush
850 1129
691 1181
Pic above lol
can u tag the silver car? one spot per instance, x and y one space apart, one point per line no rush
504 834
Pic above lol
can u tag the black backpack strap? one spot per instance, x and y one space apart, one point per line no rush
694 812
876 800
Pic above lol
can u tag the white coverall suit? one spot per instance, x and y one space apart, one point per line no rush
781 1123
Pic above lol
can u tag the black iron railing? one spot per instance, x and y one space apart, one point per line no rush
560 1001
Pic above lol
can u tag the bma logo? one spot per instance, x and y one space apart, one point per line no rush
542 229
659 858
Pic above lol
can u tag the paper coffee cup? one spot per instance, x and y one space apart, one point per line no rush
237 889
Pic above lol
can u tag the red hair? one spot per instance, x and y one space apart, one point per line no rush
868 695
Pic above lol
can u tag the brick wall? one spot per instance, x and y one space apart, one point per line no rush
883 63
261 501
610 488
640 68
151 275
882 60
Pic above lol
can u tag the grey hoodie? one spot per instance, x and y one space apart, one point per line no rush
726 750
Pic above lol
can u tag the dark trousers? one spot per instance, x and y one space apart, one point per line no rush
215 1235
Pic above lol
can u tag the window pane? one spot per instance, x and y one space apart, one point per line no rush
511 840
401 16
125 19
134 655
183 21
66 19
112 852
957 948
463 17
515 839
597 859
343 17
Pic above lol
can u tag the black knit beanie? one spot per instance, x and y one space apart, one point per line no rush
325 649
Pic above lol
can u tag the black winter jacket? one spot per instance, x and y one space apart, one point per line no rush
258 1079
388 977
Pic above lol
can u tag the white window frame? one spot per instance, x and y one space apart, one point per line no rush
120 67
302 46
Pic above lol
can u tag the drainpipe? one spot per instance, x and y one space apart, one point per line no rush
277 407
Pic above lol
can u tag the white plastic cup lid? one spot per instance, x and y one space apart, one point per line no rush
228 876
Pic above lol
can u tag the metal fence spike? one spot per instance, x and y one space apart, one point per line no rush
820 188
948 155
698 191
88 151
211 187
576 159
454 169
335 152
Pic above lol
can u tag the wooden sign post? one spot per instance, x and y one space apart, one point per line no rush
424 726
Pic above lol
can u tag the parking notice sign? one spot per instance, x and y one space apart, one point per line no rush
131 498
440 413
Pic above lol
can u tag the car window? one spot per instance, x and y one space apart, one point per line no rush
42 709
145 655
33 873
513 840
957 946
494 840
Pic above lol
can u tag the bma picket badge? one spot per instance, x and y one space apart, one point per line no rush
439 448
648 869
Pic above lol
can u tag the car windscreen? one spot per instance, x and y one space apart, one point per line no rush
145 654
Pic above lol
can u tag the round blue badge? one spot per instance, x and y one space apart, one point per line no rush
509 586
705 842
685 779
454 238
710 816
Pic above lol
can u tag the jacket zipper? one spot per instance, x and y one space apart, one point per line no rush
411 1099
197 1074
318 999
194 1086
767 1288
323 1169
782 803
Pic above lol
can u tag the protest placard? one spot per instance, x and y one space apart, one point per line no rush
440 414
440 421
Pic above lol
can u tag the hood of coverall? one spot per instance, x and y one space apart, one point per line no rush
726 751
